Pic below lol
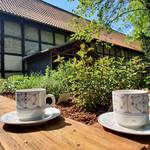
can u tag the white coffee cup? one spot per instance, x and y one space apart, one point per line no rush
31 103
131 108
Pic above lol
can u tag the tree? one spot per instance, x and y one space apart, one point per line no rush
106 13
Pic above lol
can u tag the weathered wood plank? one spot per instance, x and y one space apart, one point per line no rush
64 134
1 147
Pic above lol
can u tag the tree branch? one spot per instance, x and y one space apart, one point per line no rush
125 12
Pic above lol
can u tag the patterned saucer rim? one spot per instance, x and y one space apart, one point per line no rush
107 120
50 113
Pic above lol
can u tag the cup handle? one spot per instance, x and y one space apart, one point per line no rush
52 98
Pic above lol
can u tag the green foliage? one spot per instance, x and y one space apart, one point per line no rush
146 46
85 30
147 80
52 82
105 14
15 82
92 82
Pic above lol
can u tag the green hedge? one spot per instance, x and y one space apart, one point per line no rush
16 82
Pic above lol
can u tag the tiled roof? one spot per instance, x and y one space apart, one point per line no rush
42 12
119 39
38 11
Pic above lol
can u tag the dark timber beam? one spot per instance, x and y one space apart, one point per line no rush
2 49
103 47
51 60
65 38
54 41
40 43
23 46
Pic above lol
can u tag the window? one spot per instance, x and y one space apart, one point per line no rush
46 46
99 49
122 52
100 55
92 45
68 38
47 36
0 62
0 45
112 51
126 53
31 40
12 45
106 50
0 28
13 63
12 28
0 36
31 47
31 33
135 54
118 52
130 54
59 38
10 74
26 66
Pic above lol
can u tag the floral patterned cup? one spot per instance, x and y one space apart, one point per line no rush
131 108
31 103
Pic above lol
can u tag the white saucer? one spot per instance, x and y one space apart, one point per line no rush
12 118
107 120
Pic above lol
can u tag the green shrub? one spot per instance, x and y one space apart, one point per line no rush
92 82
52 81
16 82
147 81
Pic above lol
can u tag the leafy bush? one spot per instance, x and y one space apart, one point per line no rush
147 81
92 82
53 83
16 82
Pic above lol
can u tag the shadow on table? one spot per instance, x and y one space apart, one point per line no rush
143 139
54 124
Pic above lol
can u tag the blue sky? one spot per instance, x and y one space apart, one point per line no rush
64 4
70 6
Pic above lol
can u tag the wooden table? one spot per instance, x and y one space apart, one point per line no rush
64 134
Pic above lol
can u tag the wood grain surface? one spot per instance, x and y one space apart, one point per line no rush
64 134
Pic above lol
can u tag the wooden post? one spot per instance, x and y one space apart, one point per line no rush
103 50
40 45
51 60
2 50
23 47
65 38
54 41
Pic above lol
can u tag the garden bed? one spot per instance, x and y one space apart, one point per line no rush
70 110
